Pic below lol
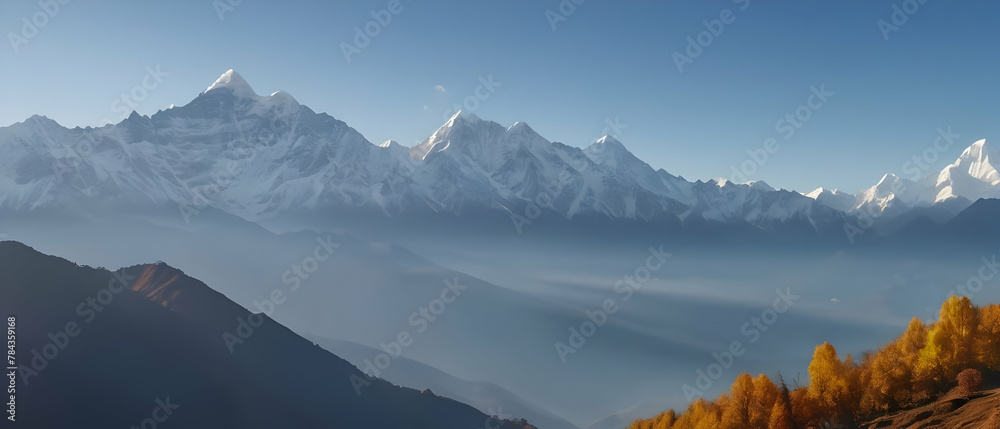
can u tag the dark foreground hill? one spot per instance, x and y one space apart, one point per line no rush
98 349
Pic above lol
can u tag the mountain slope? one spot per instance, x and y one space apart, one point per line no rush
159 337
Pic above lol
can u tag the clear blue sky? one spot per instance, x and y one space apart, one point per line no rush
607 60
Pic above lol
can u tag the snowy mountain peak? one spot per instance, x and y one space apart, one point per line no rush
235 82
885 183
390 143
606 144
816 193
519 127
980 161
463 115
282 97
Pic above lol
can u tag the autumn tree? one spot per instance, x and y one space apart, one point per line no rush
713 418
911 342
960 320
661 421
695 413
950 342
766 393
988 340
780 418
889 378
827 384
805 410
737 413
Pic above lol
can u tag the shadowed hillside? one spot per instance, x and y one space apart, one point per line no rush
102 349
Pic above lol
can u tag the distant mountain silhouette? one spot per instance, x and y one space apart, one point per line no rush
160 340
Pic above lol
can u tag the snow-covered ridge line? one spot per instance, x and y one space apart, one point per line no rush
262 157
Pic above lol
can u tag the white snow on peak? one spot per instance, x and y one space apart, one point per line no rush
463 114
235 82
518 126
390 143
282 97
980 161
815 193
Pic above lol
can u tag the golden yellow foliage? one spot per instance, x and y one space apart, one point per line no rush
903 371
827 384
779 417
988 340
737 411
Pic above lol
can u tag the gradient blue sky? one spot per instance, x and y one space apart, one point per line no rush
607 60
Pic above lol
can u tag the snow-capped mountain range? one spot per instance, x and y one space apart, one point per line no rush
260 157
973 176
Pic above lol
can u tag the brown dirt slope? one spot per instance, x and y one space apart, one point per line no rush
977 411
